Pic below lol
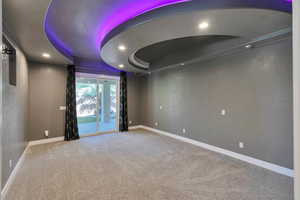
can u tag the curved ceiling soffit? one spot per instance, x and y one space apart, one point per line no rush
239 23
25 24
79 33
194 5
86 26
54 38
177 51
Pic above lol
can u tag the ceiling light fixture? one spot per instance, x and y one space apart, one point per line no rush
122 48
248 46
121 66
203 25
182 64
46 55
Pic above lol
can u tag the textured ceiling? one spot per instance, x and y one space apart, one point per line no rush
78 29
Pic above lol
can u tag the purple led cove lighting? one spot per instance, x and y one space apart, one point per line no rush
96 67
60 45
129 10
104 18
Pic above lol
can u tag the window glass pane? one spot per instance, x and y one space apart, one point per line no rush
96 100
108 107
86 99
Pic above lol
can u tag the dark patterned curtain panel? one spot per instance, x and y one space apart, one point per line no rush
123 124
71 127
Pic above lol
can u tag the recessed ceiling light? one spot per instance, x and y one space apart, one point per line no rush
203 25
46 55
182 64
121 66
248 46
122 47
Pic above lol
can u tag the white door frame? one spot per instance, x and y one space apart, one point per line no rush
106 77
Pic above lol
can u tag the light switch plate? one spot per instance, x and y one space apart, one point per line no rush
62 108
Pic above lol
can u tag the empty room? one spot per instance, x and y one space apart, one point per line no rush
150 100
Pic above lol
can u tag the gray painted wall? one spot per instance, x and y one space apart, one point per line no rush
1 111
15 107
134 88
47 85
255 88
47 92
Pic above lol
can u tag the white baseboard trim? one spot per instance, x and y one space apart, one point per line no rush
270 166
135 127
248 159
21 160
45 141
13 174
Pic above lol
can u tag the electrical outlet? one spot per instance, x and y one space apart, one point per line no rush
156 123
47 133
10 163
223 112
160 107
241 145
130 122
183 131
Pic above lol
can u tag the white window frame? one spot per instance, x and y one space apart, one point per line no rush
106 77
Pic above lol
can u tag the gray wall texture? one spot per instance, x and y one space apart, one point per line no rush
47 85
15 107
254 86
134 88
47 92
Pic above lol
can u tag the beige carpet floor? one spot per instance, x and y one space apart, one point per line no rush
140 165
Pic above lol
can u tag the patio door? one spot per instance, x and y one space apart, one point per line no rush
97 99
